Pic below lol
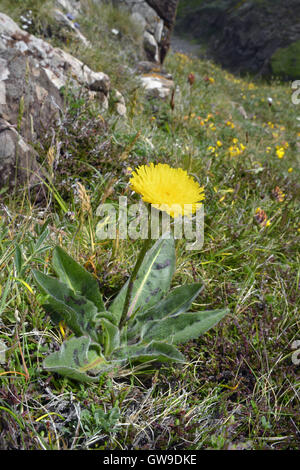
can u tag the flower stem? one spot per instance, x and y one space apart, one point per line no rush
136 268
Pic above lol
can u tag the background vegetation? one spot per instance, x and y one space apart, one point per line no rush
239 388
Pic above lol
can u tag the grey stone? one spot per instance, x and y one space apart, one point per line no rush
139 20
156 17
151 47
70 6
17 158
158 31
32 74
157 85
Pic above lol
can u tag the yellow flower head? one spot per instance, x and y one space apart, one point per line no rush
280 152
168 189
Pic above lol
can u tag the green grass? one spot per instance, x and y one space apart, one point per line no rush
285 62
239 387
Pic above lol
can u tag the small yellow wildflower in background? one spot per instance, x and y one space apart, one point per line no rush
236 150
278 194
261 217
209 79
128 170
280 152
167 189
290 170
230 124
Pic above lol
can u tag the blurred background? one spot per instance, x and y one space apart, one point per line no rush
256 36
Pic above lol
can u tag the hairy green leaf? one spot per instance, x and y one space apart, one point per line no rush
182 327
152 281
76 277
177 301
77 361
18 259
153 351
78 312
111 336
108 315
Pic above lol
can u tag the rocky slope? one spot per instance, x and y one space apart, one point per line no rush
256 36
34 76
156 19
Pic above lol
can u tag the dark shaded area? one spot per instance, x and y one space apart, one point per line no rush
166 9
258 36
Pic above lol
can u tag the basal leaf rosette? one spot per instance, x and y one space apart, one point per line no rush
167 189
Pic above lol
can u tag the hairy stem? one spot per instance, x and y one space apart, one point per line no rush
145 248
